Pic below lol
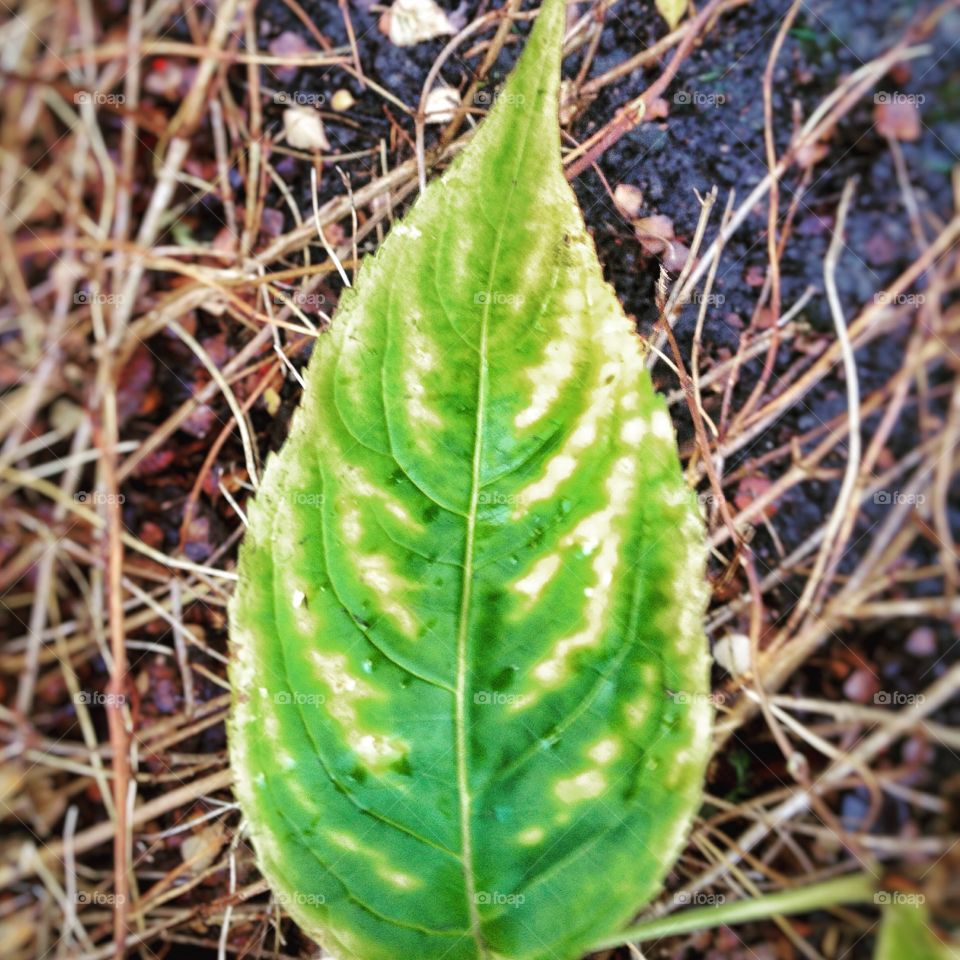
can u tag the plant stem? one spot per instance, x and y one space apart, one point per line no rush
859 887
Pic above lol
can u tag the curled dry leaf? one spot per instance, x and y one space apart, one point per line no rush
304 129
898 118
654 233
732 652
413 21
629 199
675 256
441 104
656 237
201 849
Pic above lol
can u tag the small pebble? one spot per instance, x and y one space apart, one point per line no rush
342 101
441 104
629 199
732 652
922 642
304 129
860 686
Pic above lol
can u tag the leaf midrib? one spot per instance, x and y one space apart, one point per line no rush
463 630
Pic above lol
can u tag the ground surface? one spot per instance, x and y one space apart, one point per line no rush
871 650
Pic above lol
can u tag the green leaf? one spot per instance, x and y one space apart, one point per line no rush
672 11
471 685
905 930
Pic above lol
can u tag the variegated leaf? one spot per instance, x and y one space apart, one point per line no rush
470 677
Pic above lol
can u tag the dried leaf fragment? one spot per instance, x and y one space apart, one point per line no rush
441 104
413 21
304 129
672 11
629 199
898 117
